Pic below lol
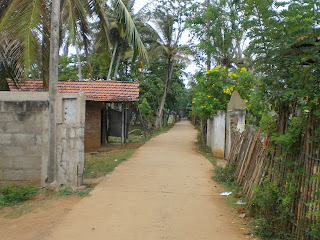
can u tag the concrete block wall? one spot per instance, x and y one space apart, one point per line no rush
24 146
235 123
93 125
216 134
222 127
70 138
23 137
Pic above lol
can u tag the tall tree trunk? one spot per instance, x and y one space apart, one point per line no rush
79 61
208 36
208 60
117 65
45 55
89 63
112 60
166 87
45 51
66 48
239 50
53 90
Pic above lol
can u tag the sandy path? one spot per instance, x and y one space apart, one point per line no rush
164 191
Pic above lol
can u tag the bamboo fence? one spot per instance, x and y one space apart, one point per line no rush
253 161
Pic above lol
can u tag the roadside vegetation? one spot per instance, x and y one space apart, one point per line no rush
277 74
12 194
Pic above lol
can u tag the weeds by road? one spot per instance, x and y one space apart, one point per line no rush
99 164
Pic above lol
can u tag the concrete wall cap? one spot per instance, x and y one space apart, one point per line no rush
24 96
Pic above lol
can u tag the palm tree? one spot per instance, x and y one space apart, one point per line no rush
76 28
28 22
167 46
124 31
226 33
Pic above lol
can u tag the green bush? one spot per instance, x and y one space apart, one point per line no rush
271 208
12 194
224 174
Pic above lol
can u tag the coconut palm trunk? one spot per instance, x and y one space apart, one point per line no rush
112 60
117 65
89 63
164 96
79 62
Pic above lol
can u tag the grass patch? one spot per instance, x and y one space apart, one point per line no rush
66 191
98 165
224 174
13 194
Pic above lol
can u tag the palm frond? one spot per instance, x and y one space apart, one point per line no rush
10 51
124 18
22 21
160 50
99 9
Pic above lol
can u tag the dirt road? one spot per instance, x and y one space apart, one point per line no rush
164 191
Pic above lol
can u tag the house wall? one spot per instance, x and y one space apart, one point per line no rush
93 124
23 137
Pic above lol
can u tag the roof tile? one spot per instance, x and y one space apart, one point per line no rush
100 91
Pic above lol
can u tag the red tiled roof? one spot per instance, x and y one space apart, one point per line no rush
100 91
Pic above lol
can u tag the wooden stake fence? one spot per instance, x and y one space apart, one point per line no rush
252 163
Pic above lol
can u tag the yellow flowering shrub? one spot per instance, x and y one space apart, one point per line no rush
214 89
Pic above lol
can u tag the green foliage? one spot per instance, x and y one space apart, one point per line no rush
153 81
268 123
271 207
314 228
11 194
145 108
67 190
100 64
268 231
285 102
84 193
224 174
291 139
255 107
68 68
208 93
218 26
146 114
213 90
